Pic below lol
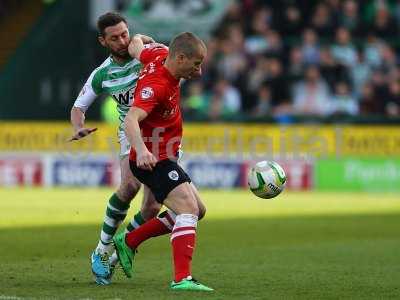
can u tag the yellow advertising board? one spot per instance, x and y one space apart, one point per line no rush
52 136
369 140
311 140
220 139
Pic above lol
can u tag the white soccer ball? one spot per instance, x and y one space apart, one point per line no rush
267 179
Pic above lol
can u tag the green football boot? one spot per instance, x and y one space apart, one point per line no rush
189 284
125 254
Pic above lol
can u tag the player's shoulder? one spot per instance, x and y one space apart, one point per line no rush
109 66
154 80
152 52
153 84
97 72
106 63
157 75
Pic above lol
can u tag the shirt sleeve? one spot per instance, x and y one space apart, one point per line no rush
151 51
148 96
89 92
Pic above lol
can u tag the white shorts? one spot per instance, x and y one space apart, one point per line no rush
125 147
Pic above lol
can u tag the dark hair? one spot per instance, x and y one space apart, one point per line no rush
107 20
186 43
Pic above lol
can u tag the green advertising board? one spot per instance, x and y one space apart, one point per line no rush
356 174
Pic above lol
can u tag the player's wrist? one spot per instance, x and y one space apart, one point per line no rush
142 151
78 128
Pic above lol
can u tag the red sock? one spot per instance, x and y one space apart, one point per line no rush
152 228
183 241
168 218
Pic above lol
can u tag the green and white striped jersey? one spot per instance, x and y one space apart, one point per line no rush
116 80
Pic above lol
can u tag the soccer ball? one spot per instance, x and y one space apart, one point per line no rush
267 179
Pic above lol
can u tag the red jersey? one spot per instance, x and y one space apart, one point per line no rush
157 92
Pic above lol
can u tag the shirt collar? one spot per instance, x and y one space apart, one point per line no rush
120 64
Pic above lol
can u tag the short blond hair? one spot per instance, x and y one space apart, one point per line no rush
187 43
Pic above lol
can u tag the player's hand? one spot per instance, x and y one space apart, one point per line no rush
146 39
145 160
81 133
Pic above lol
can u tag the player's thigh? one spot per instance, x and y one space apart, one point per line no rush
127 178
150 207
129 185
200 204
165 176
181 200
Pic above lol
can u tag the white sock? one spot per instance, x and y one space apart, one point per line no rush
113 260
101 248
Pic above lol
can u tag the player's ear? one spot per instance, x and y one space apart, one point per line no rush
102 41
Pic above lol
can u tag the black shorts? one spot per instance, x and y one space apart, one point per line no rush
164 177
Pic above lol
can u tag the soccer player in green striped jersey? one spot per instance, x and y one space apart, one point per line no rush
116 76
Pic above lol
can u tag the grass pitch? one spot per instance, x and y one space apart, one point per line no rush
297 246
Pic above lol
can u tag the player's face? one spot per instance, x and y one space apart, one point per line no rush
191 67
116 40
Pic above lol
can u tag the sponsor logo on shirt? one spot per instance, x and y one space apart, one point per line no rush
125 96
147 93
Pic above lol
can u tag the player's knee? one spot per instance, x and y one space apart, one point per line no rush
189 203
128 190
194 210
150 210
202 212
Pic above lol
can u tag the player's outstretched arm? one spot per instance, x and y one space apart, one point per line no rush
144 158
78 122
88 94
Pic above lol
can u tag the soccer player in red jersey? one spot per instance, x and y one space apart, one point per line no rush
154 129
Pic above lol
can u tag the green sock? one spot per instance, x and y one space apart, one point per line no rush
115 214
135 222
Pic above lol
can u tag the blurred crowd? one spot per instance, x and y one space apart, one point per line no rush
3 8
6 6
292 58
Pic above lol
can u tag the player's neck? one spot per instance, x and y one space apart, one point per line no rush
172 69
119 60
